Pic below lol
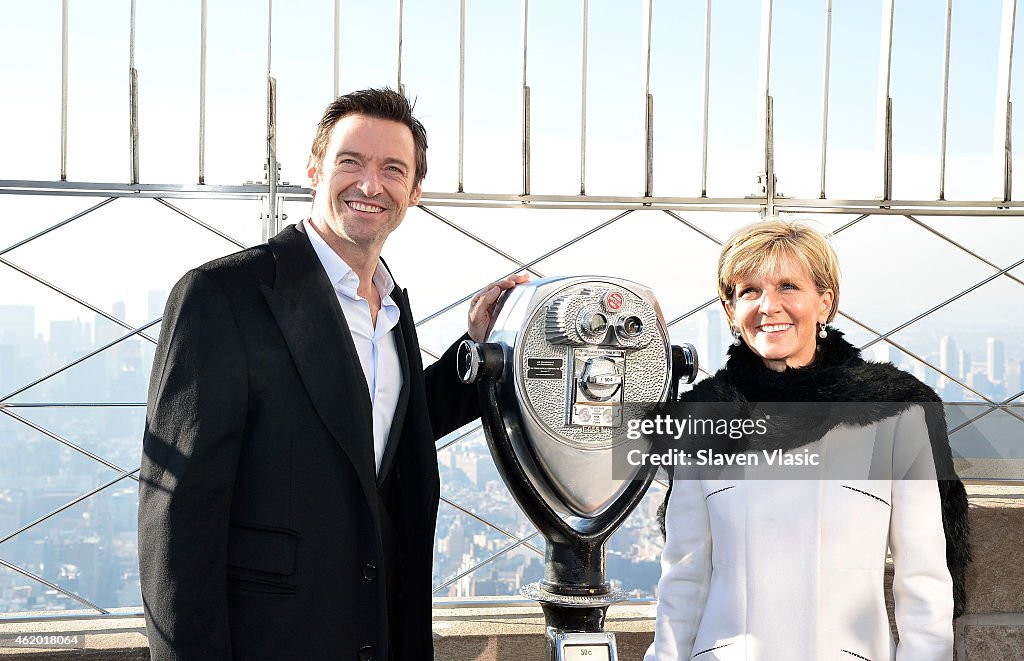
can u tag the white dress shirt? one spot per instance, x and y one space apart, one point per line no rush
378 353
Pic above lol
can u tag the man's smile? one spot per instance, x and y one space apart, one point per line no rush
364 206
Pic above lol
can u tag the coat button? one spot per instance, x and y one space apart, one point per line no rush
369 572
366 653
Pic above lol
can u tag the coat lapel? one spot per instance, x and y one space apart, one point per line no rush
402 341
306 309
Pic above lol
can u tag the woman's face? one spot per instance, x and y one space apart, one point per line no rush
778 315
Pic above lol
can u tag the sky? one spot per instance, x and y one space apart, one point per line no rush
132 246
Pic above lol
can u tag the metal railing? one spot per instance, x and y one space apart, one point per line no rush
765 201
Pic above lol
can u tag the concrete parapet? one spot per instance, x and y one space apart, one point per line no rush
991 630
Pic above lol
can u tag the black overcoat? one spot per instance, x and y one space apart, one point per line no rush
264 530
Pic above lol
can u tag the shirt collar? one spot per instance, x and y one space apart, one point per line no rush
340 274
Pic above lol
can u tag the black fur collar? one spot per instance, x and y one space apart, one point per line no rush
839 374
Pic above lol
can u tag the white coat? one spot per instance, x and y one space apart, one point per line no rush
792 569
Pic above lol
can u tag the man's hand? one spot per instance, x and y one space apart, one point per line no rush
481 306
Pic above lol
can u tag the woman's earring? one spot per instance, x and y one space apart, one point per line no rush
736 341
822 333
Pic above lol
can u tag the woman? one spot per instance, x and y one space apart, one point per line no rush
779 569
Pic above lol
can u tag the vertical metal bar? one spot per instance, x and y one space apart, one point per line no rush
649 149
64 90
270 30
769 157
526 140
1001 153
1008 167
462 90
401 16
707 88
887 165
825 88
524 29
648 102
337 45
583 98
133 98
883 137
764 103
202 92
764 64
945 100
270 224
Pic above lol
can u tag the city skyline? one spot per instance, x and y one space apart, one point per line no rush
89 549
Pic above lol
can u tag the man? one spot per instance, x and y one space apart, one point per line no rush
289 484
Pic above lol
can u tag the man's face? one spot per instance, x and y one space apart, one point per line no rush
365 183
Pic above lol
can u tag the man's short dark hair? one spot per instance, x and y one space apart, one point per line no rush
383 103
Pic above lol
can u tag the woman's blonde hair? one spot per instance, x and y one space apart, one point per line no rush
756 250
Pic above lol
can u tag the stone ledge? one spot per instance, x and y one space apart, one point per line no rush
995 580
499 633
992 629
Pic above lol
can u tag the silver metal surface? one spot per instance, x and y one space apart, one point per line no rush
64 90
764 68
72 616
874 206
648 26
945 100
485 561
707 89
202 91
893 343
677 207
50 285
53 586
887 153
133 100
583 97
570 460
883 139
989 409
769 158
527 265
337 45
696 229
68 504
825 93
462 93
489 524
482 242
946 302
524 86
536 592
466 434
195 220
401 16
63 441
137 331
271 223
962 247
62 223
1002 155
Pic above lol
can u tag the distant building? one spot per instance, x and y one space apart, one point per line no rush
995 360
947 359
963 370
